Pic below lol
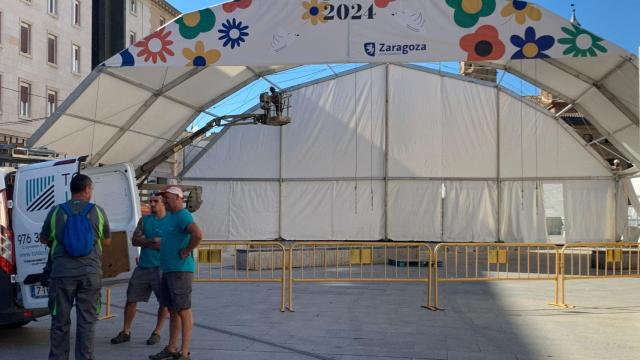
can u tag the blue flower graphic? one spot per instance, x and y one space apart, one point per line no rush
233 33
530 46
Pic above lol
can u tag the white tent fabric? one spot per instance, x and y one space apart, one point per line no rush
324 142
470 211
589 208
632 194
453 122
522 217
424 220
321 199
144 97
534 144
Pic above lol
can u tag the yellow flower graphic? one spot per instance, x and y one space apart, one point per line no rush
199 57
522 10
314 11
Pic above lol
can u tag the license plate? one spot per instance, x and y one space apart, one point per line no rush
38 291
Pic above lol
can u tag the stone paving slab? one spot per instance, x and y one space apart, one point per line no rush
495 321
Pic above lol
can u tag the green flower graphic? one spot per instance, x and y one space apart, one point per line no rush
468 12
195 23
581 43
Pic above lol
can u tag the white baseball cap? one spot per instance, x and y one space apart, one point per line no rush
173 190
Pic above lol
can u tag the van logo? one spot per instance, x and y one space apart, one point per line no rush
40 193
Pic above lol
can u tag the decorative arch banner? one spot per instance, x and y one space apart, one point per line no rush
277 32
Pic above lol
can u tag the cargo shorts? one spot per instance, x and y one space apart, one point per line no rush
176 290
142 283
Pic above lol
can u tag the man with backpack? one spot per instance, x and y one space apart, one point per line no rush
76 231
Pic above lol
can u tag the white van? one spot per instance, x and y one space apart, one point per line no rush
26 196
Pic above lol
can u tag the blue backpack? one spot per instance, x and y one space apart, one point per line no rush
78 238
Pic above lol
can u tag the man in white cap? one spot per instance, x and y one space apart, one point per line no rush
180 237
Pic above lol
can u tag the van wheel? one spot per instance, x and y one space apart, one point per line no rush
15 325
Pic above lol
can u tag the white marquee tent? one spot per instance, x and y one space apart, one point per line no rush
324 176
369 152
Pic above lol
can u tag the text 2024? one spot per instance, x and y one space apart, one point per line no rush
353 12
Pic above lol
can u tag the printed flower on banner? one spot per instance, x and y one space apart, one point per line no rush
198 56
581 43
233 33
532 47
483 44
193 24
468 12
127 58
522 10
314 11
236 4
382 3
155 46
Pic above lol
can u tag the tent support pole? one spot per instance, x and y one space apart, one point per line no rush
498 189
386 154
280 184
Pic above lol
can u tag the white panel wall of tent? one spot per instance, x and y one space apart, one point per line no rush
326 176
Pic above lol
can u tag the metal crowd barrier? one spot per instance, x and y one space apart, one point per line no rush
246 261
480 262
358 262
597 261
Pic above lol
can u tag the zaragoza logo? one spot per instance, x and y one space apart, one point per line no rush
40 193
371 48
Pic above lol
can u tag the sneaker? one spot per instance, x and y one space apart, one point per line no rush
153 339
121 338
165 354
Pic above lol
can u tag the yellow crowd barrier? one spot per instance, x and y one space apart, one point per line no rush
480 262
357 262
597 261
246 261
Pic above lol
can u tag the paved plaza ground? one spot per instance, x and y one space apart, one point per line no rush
509 320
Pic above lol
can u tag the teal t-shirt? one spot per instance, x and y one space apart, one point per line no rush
174 239
153 227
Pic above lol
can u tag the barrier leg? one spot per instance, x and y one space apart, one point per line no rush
108 314
429 304
290 265
559 284
283 282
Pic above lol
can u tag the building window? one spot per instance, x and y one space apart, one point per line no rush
25 38
162 21
76 12
52 49
133 6
52 7
52 102
25 99
132 38
75 59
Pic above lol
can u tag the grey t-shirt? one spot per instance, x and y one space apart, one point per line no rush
64 265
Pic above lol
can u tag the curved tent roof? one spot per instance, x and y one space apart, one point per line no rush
142 99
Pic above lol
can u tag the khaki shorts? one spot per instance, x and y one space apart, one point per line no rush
142 283
176 290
